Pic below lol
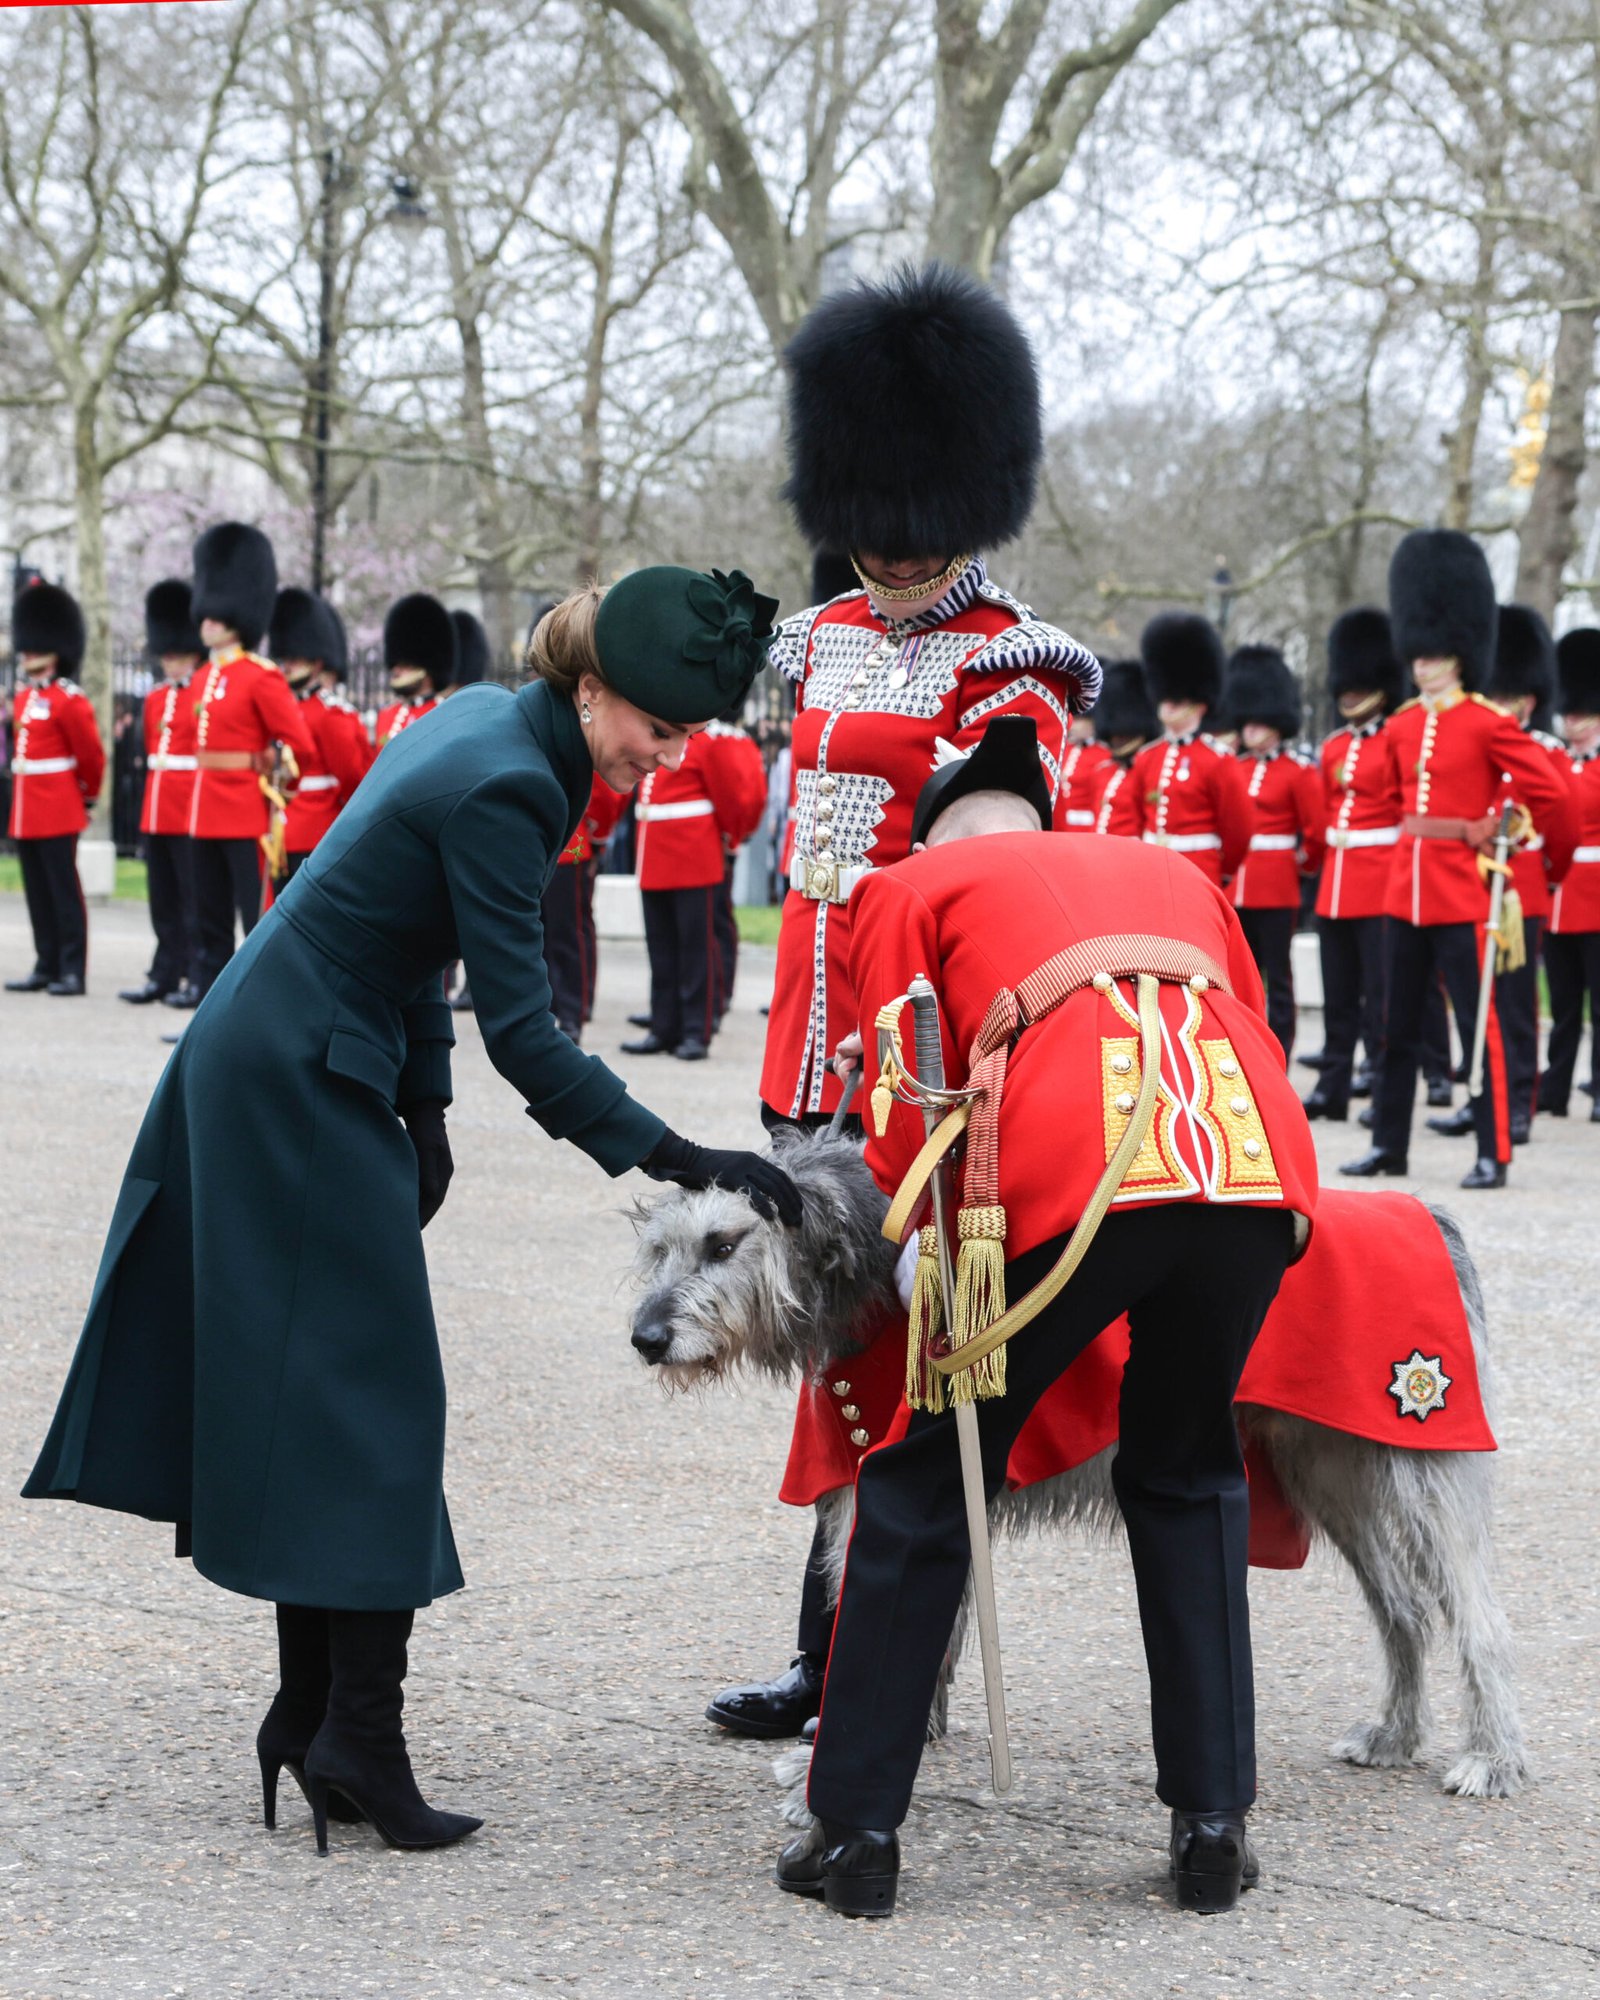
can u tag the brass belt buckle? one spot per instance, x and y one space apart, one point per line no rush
822 881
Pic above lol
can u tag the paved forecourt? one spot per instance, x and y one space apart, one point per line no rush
625 1556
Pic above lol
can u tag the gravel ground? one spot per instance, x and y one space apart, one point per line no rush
625 1556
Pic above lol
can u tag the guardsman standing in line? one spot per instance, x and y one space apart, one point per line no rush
419 650
570 948
1285 793
1125 722
1572 943
245 717
172 640
742 782
304 642
1085 772
1523 683
57 763
1361 813
1185 793
1451 750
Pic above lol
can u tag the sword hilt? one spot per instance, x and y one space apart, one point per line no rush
926 1039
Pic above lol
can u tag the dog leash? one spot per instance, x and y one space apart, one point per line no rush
842 1112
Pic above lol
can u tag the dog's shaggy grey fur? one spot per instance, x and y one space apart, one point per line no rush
723 1290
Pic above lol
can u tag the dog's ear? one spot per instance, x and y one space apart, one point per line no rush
782 1139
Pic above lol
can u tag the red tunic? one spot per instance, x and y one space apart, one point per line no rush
1361 802
594 829
340 757
1285 794
691 817
1086 770
1576 905
1449 764
739 783
1186 794
398 715
874 701
57 760
242 707
170 729
1115 812
1530 862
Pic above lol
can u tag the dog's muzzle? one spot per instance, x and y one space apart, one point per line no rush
653 1338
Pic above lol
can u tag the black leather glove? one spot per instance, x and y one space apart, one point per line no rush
425 1122
770 1190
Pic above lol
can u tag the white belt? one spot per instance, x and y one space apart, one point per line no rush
42 767
1273 843
1586 854
1077 817
160 763
1185 843
826 881
688 809
326 783
1363 836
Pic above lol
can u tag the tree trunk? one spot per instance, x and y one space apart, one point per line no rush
494 570
1478 374
591 467
93 591
1548 534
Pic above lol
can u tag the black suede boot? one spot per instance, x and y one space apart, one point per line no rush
360 1750
297 1708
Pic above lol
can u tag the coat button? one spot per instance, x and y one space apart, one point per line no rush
1102 982
1238 1106
1125 1102
859 1436
827 783
841 1388
849 1412
1122 1064
1252 1149
1228 1067
1199 983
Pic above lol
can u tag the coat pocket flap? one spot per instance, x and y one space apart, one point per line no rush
363 1061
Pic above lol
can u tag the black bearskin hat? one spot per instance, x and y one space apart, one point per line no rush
1578 660
1260 688
914 425
338 664
417 632
169 621
1361 656
1441 602
235 580
832 576
47 619
472 649
304 628
1182 656
1124 706
1524 656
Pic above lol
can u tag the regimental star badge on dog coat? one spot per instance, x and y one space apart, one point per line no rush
1419 1385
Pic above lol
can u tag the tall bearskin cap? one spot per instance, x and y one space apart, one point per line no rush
1361 656
1260 688
472 649
1124 706
235 580
417 632
1441 602
914 426
304 628
169 620
1182 656
338 663
47 619
1578 661
832 576
1524 655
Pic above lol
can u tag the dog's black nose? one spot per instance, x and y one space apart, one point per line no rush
652 1340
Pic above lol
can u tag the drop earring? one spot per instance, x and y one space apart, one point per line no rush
584 712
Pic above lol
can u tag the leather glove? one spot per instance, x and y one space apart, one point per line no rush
424 1121
771 1192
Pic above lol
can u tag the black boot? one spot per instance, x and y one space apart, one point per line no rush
1320 1105
853 1869
297 1708
1374 1161
1484 1173
1459 1123
1212 1860
772 1708
360 1750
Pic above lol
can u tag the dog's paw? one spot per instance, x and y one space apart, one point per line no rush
1379 1746
792 1770
1479 1775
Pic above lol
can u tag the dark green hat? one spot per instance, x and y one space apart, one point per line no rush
682 646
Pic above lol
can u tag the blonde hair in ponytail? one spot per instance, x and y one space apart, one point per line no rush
562 648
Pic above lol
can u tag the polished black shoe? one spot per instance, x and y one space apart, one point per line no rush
1521 1128
808 1730
1361 1080
182 996
771 1708
1440 1094
70 988
647 1045
461 1003
1317 1059
1368 1118
1212 1860
173 1037
1457 1125
1551 1110
1373 1163
1336 1110
638 1020
691 1051
141 996
853 1869
35 982
1484 1174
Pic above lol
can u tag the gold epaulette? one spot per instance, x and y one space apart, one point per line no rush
1414 702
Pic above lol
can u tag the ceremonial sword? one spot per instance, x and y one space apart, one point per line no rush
1491 948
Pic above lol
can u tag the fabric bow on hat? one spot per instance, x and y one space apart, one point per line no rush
737 630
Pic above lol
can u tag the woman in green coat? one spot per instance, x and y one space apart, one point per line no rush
260 1364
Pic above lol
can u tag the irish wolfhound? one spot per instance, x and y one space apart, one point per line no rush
724 1291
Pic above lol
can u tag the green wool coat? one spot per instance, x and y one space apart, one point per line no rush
260 1361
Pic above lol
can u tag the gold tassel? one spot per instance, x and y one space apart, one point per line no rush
889 1076
924 1383
980 1299
1511 938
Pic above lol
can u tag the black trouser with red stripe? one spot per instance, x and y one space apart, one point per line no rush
1270 936
1572 964
1195 1281
170 879
1352 997
1516 1002
227 885
727 928
55 905
1418 955
680 934
567 949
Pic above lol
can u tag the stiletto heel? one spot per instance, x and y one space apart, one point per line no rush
270 1767
317 1793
